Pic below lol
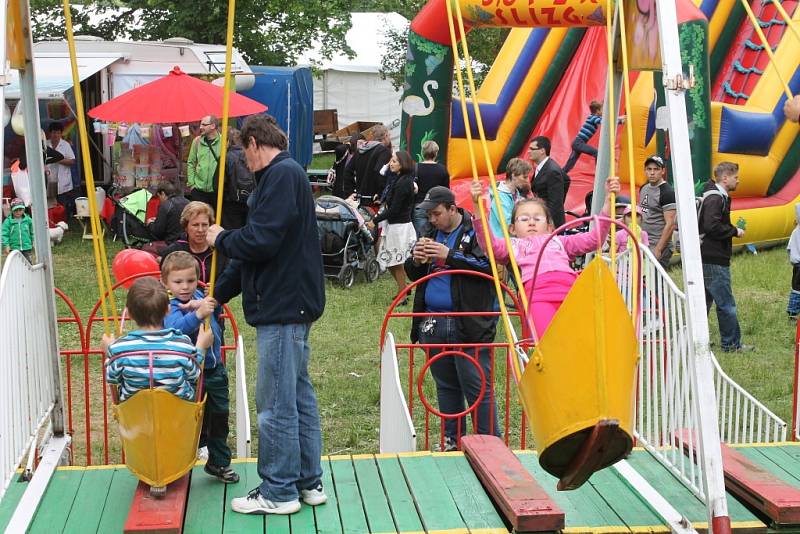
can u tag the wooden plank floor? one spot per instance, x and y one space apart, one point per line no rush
403 493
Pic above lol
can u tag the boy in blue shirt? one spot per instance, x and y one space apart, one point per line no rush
188 310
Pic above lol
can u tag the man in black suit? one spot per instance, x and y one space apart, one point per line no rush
549 182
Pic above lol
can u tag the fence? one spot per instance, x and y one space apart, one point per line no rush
29 390
666 418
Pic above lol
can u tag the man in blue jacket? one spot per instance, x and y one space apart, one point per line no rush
277 267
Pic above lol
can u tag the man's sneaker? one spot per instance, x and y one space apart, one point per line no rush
255 503
223 474
449 445
740 348
314 496
202 453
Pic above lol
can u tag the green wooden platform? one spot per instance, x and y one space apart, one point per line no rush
404 493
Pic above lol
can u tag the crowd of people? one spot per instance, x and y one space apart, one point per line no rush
273 260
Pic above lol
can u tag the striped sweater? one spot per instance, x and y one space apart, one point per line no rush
589 127
172 372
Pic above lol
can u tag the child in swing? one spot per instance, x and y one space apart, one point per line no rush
188 310
531 224
175 359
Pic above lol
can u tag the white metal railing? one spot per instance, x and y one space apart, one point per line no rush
27 391
667 422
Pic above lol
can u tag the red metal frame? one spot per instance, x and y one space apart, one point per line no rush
458 351
86 350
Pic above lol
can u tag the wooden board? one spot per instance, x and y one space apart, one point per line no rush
398 494
163 516
523 502
756 483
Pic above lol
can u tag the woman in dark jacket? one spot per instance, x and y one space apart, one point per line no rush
166 225
398 236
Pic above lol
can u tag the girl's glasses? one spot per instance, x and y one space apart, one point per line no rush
530 218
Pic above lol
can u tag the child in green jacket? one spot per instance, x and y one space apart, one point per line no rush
18 231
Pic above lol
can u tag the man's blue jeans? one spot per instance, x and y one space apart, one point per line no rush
717 279
457 378
289 438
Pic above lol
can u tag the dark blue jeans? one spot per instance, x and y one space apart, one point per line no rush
458 379
717 279
579 146
289 439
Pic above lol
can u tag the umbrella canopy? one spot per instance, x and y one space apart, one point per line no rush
177 97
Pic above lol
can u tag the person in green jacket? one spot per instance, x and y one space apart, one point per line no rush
203 162
18 231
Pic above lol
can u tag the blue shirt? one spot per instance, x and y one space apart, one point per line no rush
438 297
189 324
589 127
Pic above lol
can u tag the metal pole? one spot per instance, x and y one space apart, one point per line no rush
604 151
33 149
697 323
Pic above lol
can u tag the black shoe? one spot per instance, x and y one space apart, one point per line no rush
223 474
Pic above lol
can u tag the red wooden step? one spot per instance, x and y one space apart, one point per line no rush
523 502
149 515
754 484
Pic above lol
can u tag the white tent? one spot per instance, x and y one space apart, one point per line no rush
354 86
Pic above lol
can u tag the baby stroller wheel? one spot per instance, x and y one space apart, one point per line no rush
158 492
372 270
347 276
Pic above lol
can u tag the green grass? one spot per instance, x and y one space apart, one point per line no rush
345 355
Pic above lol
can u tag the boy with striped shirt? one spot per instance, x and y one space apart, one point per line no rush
173 368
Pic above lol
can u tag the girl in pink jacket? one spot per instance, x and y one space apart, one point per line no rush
531 224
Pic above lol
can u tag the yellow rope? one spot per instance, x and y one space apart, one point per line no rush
789 22
104 283
224 141
629 138
481 208
767 48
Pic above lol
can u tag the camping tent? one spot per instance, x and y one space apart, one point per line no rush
354 87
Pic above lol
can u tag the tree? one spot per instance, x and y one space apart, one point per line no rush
267 32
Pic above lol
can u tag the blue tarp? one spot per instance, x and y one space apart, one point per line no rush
289 94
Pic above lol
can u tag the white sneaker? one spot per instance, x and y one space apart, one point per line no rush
255 503
202 453
314 496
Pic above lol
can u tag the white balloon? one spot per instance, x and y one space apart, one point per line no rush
17 121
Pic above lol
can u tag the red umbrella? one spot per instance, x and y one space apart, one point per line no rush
177 97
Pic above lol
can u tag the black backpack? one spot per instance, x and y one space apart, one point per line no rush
239 180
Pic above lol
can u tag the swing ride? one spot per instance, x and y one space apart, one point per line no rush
586 394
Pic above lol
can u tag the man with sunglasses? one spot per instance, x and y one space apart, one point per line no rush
203 162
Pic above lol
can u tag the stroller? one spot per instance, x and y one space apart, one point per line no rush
128 222
344 241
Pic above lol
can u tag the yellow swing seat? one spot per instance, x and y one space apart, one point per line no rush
160 433
578 389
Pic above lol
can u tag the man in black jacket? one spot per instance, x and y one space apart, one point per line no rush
716 238
449 244
166 225
277 266
549 182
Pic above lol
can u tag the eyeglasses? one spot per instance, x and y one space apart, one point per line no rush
531 218
532 148
205 124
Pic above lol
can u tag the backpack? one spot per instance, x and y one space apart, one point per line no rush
240 182
698 204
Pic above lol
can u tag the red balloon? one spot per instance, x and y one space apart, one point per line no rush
130 262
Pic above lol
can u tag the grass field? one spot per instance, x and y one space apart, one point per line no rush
345 361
